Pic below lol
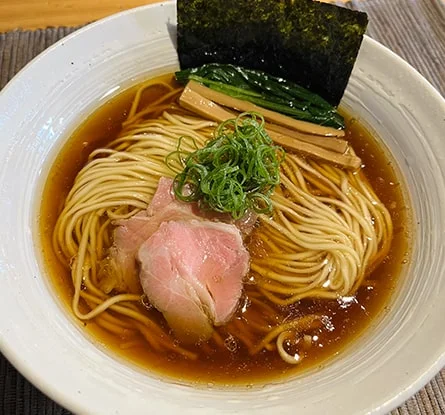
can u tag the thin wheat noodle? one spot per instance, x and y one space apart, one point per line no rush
327 231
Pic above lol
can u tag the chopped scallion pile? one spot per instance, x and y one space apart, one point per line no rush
236 171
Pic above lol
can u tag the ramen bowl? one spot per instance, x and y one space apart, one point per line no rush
48 99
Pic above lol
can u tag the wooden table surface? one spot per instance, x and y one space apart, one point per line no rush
36 14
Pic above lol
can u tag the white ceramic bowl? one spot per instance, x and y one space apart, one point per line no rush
51 96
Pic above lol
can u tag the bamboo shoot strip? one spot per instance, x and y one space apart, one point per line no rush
240 105
346 160
204 107
329 143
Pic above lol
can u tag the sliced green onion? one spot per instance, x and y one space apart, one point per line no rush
236 171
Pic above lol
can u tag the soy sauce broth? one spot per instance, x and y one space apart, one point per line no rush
347 318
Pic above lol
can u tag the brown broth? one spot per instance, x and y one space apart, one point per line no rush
348 318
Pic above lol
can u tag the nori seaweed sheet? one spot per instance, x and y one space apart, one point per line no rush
311 43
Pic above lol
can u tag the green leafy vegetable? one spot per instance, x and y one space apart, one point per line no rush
266 91
236 171
311 43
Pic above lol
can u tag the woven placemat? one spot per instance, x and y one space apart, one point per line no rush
414 29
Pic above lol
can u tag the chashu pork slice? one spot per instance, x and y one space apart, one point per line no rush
192 271
119 270
129 234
